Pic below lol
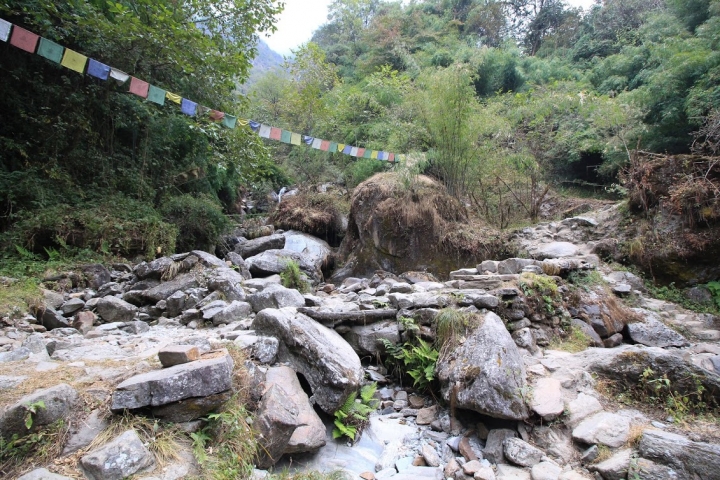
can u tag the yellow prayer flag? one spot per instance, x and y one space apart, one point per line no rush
295 139
374 154
173 97
74 61
243 122
341 147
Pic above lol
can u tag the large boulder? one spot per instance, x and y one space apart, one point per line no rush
693 459
310 432
58 402
486 373
396 229
367 339
312 249
654 333
228 282
275 261
167 289
275 296
112 309
275 423
194 380
320 354
259 245
118 459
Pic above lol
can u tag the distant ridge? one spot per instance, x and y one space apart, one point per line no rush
266 60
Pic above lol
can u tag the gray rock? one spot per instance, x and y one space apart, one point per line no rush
118 459
52 299
72 306
545 471
84 433
310 432
613 341
239 263
486 373
431 457
113 309
52 319
15 355
699 295
515 265
96 275
653 333
557 250
547 399
644 469
324 358
582 407
275 423
262 349
172 355
506 472
690 459
259 245
163 291
84 321
58 400
232 313
311 248
606 428
555 441
494 450
228 282
42 474
275 296
208 260
588 331
191 409
200 378
154 269
487 266
366 339
615 467
521 453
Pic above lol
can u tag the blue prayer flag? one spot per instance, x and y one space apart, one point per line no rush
308 140
347 149
188 107
98 70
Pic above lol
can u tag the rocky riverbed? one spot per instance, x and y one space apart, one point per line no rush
157 339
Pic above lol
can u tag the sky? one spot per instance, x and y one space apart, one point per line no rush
302 17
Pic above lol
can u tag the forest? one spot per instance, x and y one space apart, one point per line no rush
503 101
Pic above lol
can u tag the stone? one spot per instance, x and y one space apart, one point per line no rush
521 453
228 282
72 306
690 459
321 355
118 459
275 261
165 290
588 331
59 402
614 468
259 245
238 262
190 409
556 441
644 469
84 433
200 378
84 321
431 457
366 339
557 250
172 355
52 319
451 467
42 474
155 269
547 399
506 472
309 435
425 416
263 349
653 333
484 473
590 454
234 312
583 406
275 296
311 248
275 422
605 428
613 341
486 373
545 471
621 289
471 467
112 309
466 449
494 449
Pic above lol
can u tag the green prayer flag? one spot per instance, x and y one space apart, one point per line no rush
229 121
367 153
285 136
156 95
333 147
50 50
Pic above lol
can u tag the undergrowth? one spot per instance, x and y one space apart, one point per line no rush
36 448
292 277
352 416
671 293
416 359
575 341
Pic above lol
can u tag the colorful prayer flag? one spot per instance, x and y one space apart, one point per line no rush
188 107
139 87
286 136
391 158
346 150
333 147
325 145
202 110
24 39
353 151
216 116
308 140
229 121
50 50
5 30
265 131
242 121
360 152
254 126
122 77
170 96
98 70
155 95
382 156
316 143
367 153
275 133
295 139
374 154
74 61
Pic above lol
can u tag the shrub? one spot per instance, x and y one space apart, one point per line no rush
292 277
363 169
200 221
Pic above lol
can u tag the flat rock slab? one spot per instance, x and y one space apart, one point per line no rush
547 398
606 428
693 459
653 333
557 250
118 459
200 378
178 354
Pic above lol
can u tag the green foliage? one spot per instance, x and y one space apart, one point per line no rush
451 326
292 277
659 390
353 415
672 293
416 359
34 448
31 410
574 341
714 288
363 169
200 221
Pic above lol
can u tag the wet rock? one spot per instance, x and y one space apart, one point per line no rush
112 309
118 459
325 359
58 400
486 373
275 423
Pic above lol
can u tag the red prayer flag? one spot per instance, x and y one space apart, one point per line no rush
325 145
360 152
391 158
24 39
139 87
275 133
217 116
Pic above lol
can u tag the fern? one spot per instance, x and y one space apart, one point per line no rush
352 416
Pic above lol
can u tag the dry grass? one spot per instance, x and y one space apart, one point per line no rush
320 215
575 341
636 433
